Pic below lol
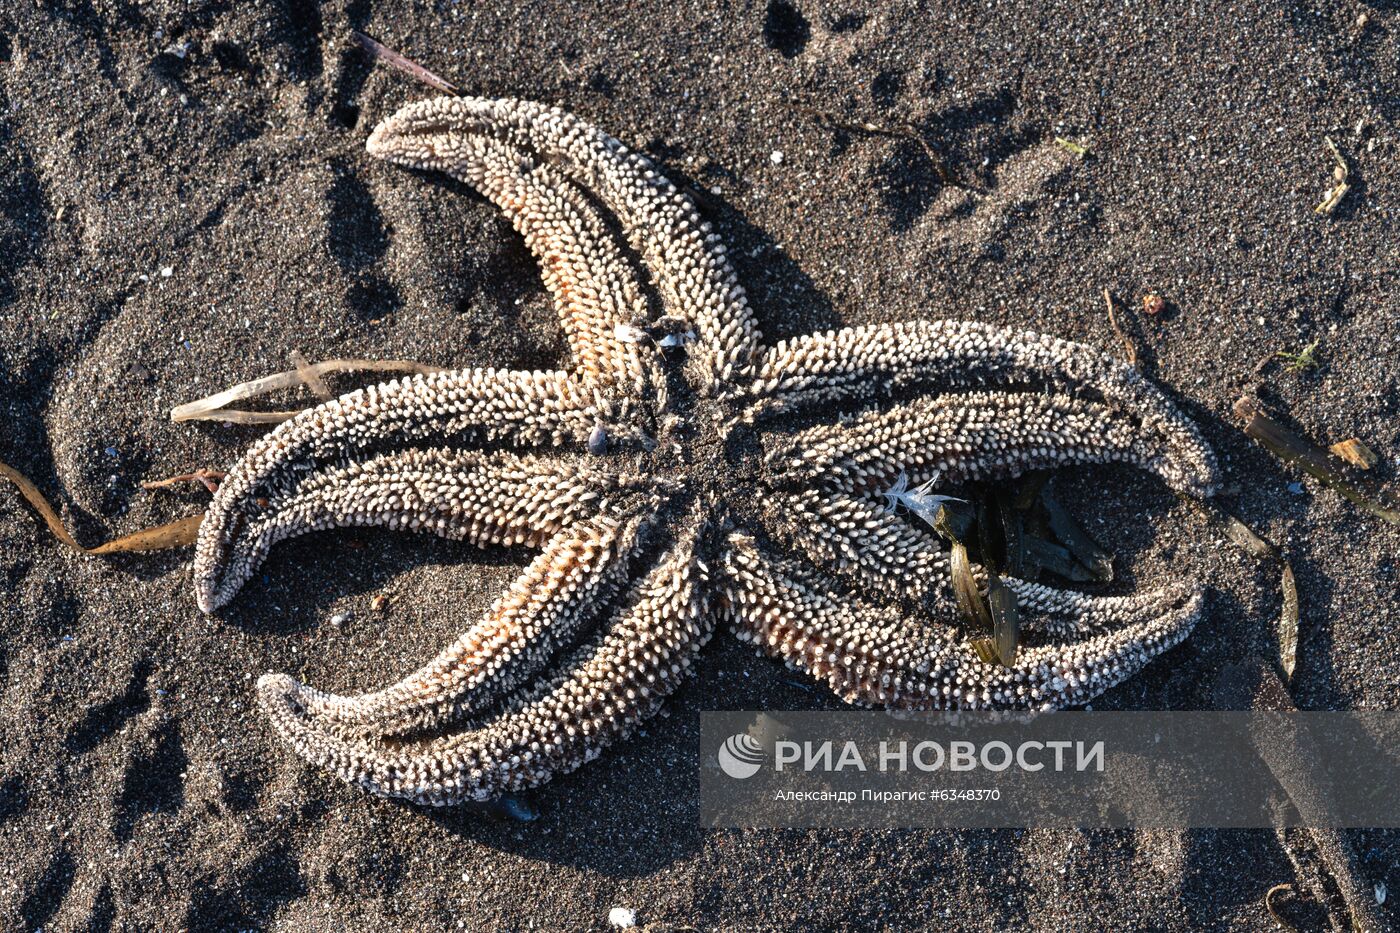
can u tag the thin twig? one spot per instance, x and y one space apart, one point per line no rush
1113 320
381 52
215 407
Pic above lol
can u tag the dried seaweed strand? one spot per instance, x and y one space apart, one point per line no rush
214 407
1270 896
308 375
178 533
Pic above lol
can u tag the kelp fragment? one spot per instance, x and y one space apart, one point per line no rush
1297 450
215 407
997 613
1238 531
1057 560
986 650
965 591
178 533
1006 619
1085 549
1028 492
1288 625
1013 533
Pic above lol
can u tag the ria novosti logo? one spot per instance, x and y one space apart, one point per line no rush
740 756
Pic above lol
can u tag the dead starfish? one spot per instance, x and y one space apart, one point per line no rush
680 473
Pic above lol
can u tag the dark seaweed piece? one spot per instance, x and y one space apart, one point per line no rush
1057 560
1006 619
1307 456
1084 549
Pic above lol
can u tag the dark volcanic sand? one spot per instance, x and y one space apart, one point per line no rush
170 226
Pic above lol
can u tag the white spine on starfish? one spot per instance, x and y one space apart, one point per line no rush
599 694
884 359
472 407
487 498
984 435
594 290
686 259
871 655
543 612
886 558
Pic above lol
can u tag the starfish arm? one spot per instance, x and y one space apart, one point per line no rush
593 288
598 694
888 559
891 360
685 258
544 611
311 466
870 655
984 435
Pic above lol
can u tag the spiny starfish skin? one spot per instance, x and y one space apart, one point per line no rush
669 487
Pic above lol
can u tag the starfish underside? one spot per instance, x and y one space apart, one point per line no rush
679 475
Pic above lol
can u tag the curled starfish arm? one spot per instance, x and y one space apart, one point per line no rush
599 693
305 466
594 290
685 258
544 611
870 655
888 559
888 361
984 435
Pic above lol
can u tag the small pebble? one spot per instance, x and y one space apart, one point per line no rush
1295 488
167 272
622 918
110 451
776 157
598 441
340 618
1380 892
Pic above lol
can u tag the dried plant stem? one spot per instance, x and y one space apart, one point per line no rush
1113 320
